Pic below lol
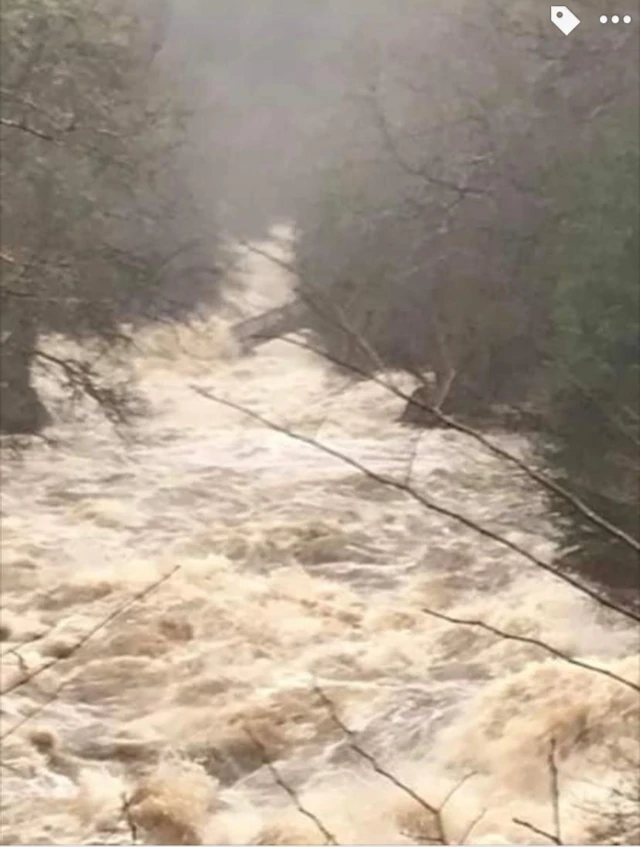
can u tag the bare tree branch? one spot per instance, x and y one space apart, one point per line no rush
22 664
424 501
415 444
422 172
115 401
509 636
24 643
26 128
537 830
434 811
128 817
329 838
537 476
542 479
136 598
457 788
555 789
472 825
333 315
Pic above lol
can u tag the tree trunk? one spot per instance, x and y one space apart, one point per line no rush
21 410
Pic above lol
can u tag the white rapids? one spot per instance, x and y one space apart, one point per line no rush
294 571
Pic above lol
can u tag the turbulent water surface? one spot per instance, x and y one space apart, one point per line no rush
296 573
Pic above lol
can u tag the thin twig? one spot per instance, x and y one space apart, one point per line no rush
555 789
126 814
456 788
412 458
434 811
115 401
26 128
140 595
22 664
472 825
329 838
510 636
537 830
393 149
24 643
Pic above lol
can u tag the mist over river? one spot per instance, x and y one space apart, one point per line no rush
295 570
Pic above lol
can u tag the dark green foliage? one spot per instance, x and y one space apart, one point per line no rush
592 252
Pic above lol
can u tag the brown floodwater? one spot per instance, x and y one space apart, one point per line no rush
294 571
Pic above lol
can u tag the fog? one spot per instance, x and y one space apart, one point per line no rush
264 78
320 396
272 81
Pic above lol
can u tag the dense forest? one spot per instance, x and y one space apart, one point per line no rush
485 223
320 422
463 182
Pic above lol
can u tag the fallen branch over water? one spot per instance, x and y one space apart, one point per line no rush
545 481
542 479
424 501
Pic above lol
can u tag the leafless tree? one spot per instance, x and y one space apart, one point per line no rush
98 223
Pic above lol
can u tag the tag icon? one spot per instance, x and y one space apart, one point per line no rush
564 19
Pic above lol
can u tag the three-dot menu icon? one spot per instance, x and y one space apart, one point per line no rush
566 21
615 19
